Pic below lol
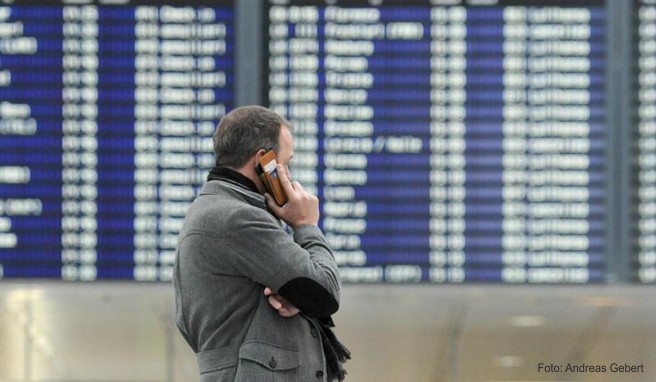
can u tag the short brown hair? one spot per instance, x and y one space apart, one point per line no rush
245 130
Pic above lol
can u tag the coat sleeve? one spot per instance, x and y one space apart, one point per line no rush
300 268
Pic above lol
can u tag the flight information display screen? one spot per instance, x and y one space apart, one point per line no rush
107 110
645 143
449 141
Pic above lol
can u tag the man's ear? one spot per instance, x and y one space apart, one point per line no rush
258 155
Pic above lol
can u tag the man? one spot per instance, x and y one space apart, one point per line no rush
253 301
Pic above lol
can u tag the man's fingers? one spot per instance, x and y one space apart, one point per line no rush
279 303
275 303
287 312
270 202
284 179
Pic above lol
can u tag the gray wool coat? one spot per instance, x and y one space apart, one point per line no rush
230 248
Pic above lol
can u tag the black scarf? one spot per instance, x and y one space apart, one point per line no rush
336 353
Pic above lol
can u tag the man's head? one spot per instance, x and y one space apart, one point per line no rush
246 133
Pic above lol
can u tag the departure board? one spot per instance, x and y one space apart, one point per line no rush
107 110
645 142
449 141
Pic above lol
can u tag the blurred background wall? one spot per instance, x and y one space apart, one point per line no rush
124 332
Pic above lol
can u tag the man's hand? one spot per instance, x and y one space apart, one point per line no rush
279 303
301 208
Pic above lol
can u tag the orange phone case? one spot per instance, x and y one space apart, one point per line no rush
269 177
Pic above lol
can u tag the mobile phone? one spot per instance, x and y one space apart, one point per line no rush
267 170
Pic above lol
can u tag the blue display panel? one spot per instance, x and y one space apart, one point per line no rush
106 118
644 261
449 143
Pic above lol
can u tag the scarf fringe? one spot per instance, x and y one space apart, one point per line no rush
335 351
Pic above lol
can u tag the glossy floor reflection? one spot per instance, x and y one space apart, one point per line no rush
110 331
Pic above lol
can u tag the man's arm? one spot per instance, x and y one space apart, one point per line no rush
301 213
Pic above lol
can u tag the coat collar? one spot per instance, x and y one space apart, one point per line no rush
225 173
235 189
